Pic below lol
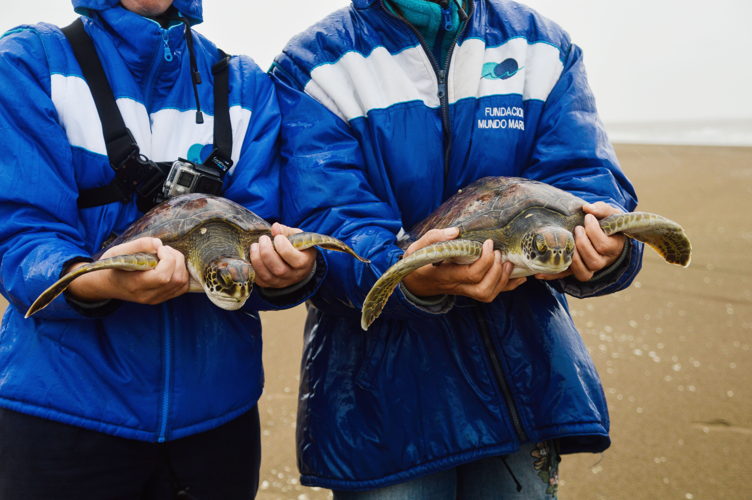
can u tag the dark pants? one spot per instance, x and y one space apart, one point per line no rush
45 460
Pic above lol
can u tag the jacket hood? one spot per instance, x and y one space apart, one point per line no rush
362 4
191 9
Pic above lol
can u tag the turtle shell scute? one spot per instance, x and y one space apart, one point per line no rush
492 202
176 217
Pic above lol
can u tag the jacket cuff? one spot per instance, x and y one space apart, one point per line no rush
283 298
611 273
272 293
438 304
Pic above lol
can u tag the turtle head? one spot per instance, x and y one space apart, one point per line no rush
228 282
548 250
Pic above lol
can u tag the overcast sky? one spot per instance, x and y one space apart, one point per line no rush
647 60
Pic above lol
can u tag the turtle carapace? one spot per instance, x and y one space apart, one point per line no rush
530 222
214 234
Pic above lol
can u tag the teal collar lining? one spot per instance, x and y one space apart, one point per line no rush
426 17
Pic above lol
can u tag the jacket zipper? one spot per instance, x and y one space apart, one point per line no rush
166 375
441 75
166 52
162 53
444 92
499 375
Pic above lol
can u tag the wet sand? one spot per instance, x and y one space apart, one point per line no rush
673 350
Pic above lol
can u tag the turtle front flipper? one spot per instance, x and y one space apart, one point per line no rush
665 236
131 262
304 240
463 251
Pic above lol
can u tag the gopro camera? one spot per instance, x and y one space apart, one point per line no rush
187 177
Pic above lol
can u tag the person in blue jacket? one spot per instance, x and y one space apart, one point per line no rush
470 384
127 387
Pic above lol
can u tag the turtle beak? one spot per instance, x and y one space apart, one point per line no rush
552 250
562 249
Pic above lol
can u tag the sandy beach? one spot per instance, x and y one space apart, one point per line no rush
673 351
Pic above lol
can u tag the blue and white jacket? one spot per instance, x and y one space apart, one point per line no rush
377 139
151 373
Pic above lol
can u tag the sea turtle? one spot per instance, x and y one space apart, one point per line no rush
530 222
214 234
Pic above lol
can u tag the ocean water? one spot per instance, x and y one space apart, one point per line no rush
698 133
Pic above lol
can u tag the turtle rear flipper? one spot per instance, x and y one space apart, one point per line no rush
132 262
304 240
464 251
665 236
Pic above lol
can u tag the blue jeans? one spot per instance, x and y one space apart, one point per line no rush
529 474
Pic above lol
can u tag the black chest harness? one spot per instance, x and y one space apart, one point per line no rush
152 182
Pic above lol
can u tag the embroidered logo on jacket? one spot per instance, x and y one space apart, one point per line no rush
198 153
501 71
502 117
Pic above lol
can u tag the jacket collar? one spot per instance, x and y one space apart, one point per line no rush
191 9
364 4
141 42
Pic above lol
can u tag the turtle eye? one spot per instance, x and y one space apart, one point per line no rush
540 244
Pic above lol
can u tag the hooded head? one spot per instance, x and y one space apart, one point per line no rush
191 9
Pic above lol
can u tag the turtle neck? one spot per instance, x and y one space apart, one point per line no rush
437 25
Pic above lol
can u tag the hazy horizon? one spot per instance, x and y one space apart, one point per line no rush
728 132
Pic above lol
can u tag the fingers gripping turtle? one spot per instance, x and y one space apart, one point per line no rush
531 223
213 233
453 250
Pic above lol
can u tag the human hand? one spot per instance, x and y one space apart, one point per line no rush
481 280
168 280
277 263
593 249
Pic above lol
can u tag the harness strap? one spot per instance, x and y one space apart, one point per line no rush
221 157
133 171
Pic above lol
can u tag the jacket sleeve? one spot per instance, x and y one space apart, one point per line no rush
255 179
327 191
40 231
573 153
